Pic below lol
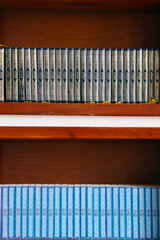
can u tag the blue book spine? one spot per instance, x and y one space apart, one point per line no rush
64 211
5 212
135 212
24 212
38 203
128 213
51 212
159 209
154 213
102 212
70 211
116 212
0 211
96 211
31 212
57 212
109 212
44 211
89 212
83 212
11 211
148 203
77 211
142 213
18 227
122 206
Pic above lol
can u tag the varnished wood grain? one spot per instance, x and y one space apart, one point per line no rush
77 161
80 109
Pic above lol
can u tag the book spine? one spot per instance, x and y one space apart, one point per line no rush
38 210
151 75
139 76
71 74
63 212
156 75
46 75
122 206
52 62
102 68
5 212
108 75
159 210
83 213
27 56
126 76
8 68
141 213
77 81
120 75
1 209
83 75
31 212
109 213
34 74
154 213
89 75
102 212
57 212
2 75
59 74
15 74
18 212
70 212
135 212
11 211
51 212
89 212
24 212
128 213
145 76
114 76
148 204
115 212
40 74
21 79
77 212
96 75
44 212
96 212
133 76
65 74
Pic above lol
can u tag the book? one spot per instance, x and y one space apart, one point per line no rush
70 211
145 76
120 75
114 76
2 75
108 75
135 212
27 61
4 212
31 217
52 67
89 75
139 76
126 97
18 225
77 211
102 211
38 211
90 212
8 72
34 74
40 71
59 74
44 212
128 212
83 75
71 74
148 204
102 73
64 211
151 74
83 212
25 211
133 76
11 210
109 209
46 75
122 212
115 212
154 213
57 223
96 73
96 205
142 213
77 81
51 216
64 75
15 74
21 79
156 75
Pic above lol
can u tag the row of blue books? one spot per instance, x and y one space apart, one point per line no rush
80 211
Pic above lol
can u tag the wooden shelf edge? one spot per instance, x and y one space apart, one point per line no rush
87 109
14 133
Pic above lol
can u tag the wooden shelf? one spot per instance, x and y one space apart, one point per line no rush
87 109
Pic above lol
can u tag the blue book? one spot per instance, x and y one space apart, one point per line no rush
18 226
51 211
64 211
89 212
102 211
128 212
122 207
11 211
31 212
70 212
135 212
44 211
159 209
142 213
83 212
57 222
154 213
109 212
5 212
0 211
115 212
24 212
148 203
38 203
96 211
77 211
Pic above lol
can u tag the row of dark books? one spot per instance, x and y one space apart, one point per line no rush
79 75
80 211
